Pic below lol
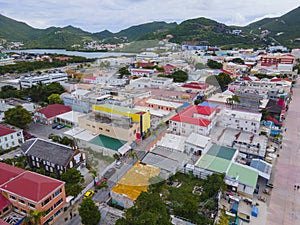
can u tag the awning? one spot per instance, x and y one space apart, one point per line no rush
124 149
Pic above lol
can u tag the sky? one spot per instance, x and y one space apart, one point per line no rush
115 15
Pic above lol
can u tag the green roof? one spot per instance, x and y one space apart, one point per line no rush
221 152
107 142
213 163
243 174
217 159
120 108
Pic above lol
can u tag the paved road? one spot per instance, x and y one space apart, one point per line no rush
284 207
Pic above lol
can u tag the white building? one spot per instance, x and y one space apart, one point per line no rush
10 138
240 120
27 82
197 144
154 82
194 119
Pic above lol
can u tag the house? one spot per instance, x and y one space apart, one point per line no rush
141 72
51 156
10 138
240 120
57 76
47 114
27 191
194 119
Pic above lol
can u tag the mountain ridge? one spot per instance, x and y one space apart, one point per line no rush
279 30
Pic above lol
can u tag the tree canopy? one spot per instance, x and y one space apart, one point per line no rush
178 76
54 99
214 64
18 117
149 208
89 213
74 180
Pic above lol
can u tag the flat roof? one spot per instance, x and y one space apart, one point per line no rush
245 115
243 174
118 108
198 140
107 142
164 103
162 162
71 116
172 141
136 180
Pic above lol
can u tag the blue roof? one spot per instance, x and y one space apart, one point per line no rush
208 104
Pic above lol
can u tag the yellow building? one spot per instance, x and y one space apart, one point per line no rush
143 118
132 184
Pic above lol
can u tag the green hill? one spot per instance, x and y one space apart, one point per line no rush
284 29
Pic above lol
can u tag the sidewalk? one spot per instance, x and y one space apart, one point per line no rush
284 206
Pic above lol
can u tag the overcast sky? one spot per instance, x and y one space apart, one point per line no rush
115 15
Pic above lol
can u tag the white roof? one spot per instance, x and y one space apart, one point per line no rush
154 112
198 140
71 116
172 141
80 92
164 103
125 148
242 115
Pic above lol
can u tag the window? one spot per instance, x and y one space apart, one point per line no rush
57 213
23 211
46 201
57 192
12 197
22 201
31 205
58 202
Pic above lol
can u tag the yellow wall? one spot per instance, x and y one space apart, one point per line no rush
146 123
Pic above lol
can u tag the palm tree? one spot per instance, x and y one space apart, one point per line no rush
33 218
133 155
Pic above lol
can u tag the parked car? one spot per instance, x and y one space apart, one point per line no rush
55 125
270 185
119 163
60 126
109 173
89 194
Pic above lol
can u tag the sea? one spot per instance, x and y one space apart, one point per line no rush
71 53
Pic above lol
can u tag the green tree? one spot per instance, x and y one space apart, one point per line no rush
238 61
18 117
180 76
214 64
74 180
123 71
149 208
55 99
223 80
33 218
89 213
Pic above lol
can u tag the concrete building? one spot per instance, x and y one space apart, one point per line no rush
153 82
240 120
10 138
28 191
27 82
193 119
111 125
140 117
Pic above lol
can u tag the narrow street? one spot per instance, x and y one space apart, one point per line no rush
284 206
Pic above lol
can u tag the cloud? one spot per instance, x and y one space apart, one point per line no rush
114 15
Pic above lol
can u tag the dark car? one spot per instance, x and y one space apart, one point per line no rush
60 126
270 185
109 173
55 126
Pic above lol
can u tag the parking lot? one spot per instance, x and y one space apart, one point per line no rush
43 131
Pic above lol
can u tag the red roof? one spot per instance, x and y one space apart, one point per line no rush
3 203
2 222
141 70
227 72
32 186
8 172
54 110
90 78
188 115
196 85
5 131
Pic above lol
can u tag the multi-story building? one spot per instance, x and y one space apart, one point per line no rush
111 125
274 60
136 116
29 81
10 138
194 119
28 191
154 82
51 156
240 120
198 87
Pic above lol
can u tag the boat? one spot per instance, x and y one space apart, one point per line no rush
243 216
